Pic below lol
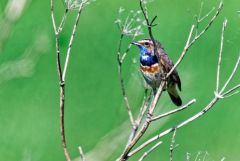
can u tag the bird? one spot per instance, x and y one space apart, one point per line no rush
154 66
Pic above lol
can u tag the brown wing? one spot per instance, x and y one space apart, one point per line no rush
167 65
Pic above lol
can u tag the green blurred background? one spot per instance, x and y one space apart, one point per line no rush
95 114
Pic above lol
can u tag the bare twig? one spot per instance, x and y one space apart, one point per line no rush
52 16
81 153
230 91
172 145
160 135
60 28
120 61
125 155
220 54
207 15
189 44
186 48
141 116
127 50
62 73
71 40
143 108
62 85
174 111
199 19
219 9
231 75
149 151
183 52
128 28
149 25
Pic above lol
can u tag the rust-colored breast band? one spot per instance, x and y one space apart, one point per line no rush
150 69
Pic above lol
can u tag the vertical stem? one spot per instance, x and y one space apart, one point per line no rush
61 84
62 128
62 101
120 61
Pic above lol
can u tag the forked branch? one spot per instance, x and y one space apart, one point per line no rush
218 96
128 152
62 73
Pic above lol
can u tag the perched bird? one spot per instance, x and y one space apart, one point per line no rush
153 69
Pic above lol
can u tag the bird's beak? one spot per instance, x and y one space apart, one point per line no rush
135 43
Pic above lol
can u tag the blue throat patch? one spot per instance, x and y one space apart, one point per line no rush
146 58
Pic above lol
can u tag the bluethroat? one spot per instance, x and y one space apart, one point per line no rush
153 69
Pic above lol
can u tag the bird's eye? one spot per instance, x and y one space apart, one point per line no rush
146 43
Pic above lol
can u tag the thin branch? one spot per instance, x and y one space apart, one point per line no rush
150 150
189 120
125 155
127 50
71 40
220 7
62 85
149 26
231 75
172 145
200 19
189 44
120 61
230 91
129 109
220 54
183 52
62 127
174 111
60 28
53 17
81 154
232 94
143 108
140 117
121 57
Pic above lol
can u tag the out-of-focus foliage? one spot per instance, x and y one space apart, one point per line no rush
95 115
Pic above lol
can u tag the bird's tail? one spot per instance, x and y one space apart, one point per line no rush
172 91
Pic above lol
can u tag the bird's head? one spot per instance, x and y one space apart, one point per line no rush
146 46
